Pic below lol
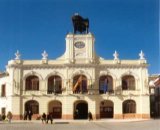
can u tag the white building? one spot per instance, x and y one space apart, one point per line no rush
76 83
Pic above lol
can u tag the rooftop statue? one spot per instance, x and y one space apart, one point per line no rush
80 24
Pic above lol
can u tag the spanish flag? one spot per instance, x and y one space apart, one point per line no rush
77 83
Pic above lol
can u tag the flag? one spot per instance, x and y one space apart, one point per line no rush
101 86
105 86
157 82
77 83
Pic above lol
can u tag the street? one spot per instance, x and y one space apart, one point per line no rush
83 125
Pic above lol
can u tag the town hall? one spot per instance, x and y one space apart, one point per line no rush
78 82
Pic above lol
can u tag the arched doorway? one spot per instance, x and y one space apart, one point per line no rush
55 108
81 110
33 106
106 109
129 109
129 106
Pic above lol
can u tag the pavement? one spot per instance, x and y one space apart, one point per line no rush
59 121
103 124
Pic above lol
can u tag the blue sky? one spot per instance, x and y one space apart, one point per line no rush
127 26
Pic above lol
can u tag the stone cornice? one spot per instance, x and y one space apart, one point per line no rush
123 65
36 66
62 64
104 66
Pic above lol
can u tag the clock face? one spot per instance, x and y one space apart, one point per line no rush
79 45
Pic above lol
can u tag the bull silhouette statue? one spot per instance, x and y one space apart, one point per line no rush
80 24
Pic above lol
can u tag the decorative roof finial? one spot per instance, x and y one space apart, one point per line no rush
141 55
44 55
18 55
116 55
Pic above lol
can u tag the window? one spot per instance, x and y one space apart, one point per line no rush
32 83
3 90
80 84
129 106
105 84
54 85
128 83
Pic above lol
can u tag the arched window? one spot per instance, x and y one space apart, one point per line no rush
32 106
54 84
128 82
129 106
32 83
80 84
105 84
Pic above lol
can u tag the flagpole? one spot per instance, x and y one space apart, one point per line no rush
81 84
54 84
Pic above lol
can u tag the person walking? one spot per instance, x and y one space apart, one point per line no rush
9 116
90 116
43 118
3 116
49 117
30 115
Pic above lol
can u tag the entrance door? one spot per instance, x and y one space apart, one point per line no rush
81 111
57 111
106 109
106 112
55 108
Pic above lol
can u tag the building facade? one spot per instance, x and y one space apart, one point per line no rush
76 83
154 84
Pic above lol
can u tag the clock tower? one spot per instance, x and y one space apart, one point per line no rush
80 48
80 44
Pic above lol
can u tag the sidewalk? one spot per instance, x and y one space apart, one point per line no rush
63 121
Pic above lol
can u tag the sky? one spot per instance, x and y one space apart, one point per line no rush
127 26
